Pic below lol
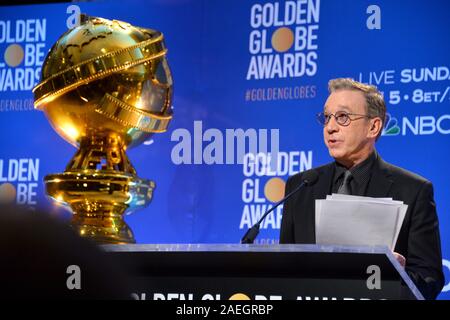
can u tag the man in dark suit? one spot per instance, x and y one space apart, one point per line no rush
353 119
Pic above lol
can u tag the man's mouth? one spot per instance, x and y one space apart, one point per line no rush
333 142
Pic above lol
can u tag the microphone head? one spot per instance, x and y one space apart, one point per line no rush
310 177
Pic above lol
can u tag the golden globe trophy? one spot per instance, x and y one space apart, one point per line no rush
106 86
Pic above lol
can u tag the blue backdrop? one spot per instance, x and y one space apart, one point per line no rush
249 71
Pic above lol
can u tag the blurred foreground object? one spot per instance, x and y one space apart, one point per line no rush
39 254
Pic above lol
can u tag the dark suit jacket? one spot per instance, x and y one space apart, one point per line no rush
419 239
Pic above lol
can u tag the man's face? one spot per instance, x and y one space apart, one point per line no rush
347 144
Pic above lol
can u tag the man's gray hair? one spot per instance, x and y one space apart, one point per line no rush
375 105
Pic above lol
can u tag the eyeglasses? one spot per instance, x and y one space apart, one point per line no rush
342 118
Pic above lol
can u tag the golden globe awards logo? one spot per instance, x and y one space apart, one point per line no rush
283 40
19 181
263 186
22 43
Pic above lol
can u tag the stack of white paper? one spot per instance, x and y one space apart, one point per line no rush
353 220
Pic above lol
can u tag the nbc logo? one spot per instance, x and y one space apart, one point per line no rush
419 125
391 127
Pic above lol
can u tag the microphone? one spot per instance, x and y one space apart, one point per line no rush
309 178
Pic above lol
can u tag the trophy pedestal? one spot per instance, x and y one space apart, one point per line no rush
99 200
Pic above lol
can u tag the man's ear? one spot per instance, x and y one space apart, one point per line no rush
375 127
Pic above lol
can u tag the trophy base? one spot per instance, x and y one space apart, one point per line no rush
99 200
105 227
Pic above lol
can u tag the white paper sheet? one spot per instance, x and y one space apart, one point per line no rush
354 220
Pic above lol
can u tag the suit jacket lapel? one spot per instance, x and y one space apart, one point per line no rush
380 184
323 185
306 231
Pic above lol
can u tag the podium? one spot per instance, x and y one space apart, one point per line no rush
261 272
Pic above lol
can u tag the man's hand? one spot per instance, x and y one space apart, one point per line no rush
401 259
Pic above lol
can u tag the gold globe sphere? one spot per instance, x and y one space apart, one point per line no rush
106 76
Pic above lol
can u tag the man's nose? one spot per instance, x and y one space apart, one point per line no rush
332 125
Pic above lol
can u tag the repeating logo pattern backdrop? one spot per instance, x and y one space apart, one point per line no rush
249 78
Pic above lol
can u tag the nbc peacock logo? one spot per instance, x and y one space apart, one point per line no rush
391 127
